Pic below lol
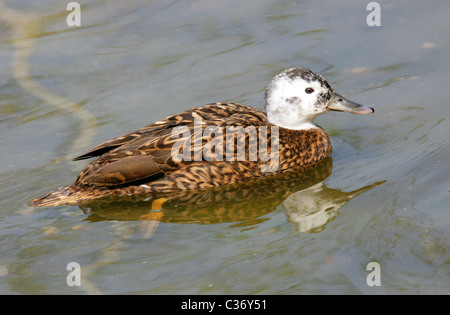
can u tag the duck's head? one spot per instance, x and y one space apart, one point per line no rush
297 95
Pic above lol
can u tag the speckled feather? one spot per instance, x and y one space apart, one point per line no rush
243 201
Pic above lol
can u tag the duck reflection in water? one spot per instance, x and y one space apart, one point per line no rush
308 203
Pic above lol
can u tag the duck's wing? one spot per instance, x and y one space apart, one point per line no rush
148 153
163 127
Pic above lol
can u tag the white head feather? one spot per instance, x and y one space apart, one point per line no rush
295 97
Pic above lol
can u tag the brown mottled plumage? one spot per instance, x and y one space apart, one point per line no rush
143 161
245 201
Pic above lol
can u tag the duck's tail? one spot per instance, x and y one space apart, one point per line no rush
64 196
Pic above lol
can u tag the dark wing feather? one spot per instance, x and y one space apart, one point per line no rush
151 130
123 171
146 153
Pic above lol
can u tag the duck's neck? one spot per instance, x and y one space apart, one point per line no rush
290 118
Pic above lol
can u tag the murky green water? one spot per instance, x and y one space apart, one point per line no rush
383 197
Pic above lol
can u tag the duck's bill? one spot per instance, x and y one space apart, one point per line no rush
342 104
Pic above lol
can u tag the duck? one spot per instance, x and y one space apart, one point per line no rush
213 145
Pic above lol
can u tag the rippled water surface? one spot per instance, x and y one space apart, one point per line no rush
382 197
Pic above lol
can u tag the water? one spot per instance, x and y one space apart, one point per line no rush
383 197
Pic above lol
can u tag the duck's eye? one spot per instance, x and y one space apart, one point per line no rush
309 90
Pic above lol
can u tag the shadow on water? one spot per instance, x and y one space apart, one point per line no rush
308 203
